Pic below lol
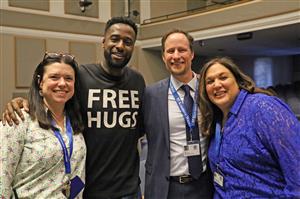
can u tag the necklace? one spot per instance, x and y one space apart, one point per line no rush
59 119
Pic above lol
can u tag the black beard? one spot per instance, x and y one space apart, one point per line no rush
113 64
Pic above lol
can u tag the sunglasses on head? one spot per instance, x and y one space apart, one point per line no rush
53 55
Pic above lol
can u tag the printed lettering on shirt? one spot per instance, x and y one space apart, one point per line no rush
112 108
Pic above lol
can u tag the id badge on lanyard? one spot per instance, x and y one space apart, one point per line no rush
192 148
72 186
219 178
190 121
218 175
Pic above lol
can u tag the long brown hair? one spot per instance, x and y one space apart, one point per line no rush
210 112
36 104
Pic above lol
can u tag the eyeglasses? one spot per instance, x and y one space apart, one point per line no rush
53 55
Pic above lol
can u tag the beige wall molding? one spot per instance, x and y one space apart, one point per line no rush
48 34
57 9
247 12
247 26
229 29
50 23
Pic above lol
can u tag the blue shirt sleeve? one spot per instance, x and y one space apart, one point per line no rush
279 131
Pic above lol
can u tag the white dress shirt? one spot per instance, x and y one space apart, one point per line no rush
179 163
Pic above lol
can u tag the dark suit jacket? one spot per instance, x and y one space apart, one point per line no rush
156 124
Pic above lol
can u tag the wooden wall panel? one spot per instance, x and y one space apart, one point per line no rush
34 5
84 52
29 53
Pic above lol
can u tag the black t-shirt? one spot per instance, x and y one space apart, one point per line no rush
111 112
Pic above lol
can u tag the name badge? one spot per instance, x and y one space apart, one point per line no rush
219 179
67 189
74 188
192 148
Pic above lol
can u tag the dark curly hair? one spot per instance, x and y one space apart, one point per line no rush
122 20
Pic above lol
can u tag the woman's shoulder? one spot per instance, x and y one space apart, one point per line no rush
21 124
258 99
263 102
25 113
16 131
27 118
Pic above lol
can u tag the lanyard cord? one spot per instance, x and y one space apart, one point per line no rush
190 121
218 139
67 156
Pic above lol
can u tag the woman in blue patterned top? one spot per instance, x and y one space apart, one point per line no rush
255 137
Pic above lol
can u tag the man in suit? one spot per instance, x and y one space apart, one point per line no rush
176 165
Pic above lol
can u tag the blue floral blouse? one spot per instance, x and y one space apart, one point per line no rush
259 151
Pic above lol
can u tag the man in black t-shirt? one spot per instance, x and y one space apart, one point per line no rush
110 97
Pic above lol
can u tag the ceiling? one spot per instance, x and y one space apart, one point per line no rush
279 41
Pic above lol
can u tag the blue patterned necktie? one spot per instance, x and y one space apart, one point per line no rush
195 163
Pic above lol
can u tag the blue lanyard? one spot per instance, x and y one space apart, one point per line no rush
190 122
67 156
218 139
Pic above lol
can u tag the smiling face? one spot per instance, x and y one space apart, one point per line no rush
177 55
118 44
57 85
221 87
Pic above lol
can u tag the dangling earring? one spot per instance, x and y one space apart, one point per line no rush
39 83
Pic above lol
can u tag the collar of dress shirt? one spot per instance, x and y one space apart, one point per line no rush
177 84
238 102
